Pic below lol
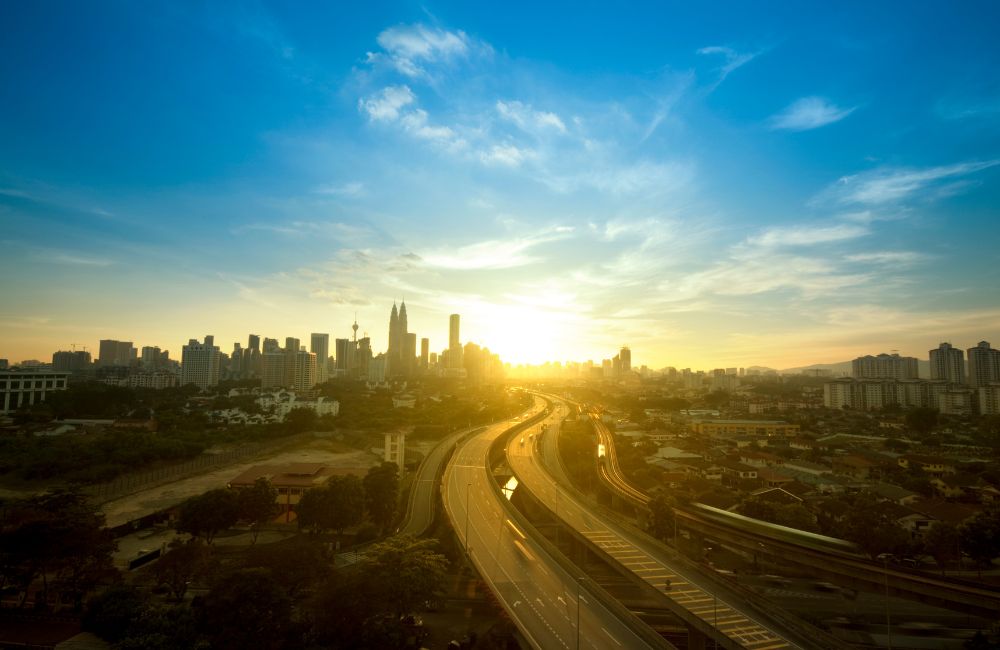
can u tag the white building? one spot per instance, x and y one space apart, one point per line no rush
19 388
984 365
303 370
884 366
200 363
948 363
988 399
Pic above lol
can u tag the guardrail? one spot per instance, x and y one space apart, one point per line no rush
607 600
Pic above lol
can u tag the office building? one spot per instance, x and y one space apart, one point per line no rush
984 365
272 369
884 366
319 344
345 356
425 349
153 358
200 363
303 369
24 388
409 353
115 353
292 344
948 363
454 342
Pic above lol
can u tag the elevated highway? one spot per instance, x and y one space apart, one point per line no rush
552 607
787 546
706 606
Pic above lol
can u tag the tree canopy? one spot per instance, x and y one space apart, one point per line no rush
207 514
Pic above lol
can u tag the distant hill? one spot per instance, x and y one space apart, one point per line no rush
843 368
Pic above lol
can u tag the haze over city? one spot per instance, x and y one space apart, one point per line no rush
711 187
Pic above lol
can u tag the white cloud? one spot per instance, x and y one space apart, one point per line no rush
644 177
807 235
505 154
416 123
387 105
890 185
733 58
408 48
528 119
888 257
494 254
809 113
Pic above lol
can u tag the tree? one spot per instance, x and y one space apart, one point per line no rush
295 565
941 542
921 420
54 536
207 514
112 614
334 506
404 572
246 610
382 493
981 538
870 525
662 520
180 565
258 505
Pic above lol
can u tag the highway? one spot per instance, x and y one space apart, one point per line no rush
424 490
927 587
551 608
693 596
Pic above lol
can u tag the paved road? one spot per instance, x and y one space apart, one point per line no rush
423 493
542 599
740 627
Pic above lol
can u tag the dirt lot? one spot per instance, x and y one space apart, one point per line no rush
320 450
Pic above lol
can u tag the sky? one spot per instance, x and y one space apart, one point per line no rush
742 184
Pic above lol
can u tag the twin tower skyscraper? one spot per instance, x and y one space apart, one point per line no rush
402 352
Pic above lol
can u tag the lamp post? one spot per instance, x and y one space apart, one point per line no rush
888 619
468 486
579 598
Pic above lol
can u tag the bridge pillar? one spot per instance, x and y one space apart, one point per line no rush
696 640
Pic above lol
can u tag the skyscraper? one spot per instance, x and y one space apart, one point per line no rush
454 344
200 363
948 363
984 365
625 355
319 344
115 353
425 349
392 353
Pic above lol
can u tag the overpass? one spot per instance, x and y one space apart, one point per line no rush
552 606
783 544
710 609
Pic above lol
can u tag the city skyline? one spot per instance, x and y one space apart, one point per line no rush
710 188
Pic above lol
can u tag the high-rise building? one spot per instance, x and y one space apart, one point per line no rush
271 345
425 350
303 370
984 365
292 344
152 357
343 355
409 353
884 366
272 369
392 351
320 345
115 353
626 359
454 343
73 361
200 363
948 363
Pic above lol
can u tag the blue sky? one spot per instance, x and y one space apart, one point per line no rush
743 184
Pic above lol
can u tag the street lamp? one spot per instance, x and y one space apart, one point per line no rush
888 620
579 598
468 486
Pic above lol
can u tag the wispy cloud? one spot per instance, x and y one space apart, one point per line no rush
350 189
891 185
494 254
888 257
528 119
410 48
809 113
506 154
733 59
809 235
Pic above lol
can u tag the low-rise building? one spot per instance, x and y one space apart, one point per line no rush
24 388
291 481
768 428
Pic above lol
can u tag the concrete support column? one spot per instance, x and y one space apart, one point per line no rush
696 640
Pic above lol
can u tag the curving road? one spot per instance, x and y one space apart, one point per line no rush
696 600
550 607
